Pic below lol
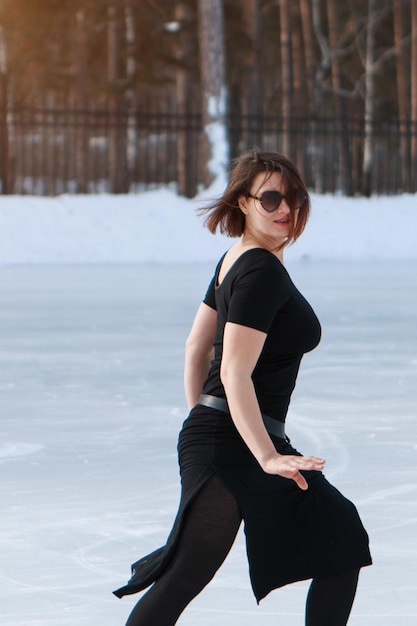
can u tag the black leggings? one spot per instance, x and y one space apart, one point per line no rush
210 528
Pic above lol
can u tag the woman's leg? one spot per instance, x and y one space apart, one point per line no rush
210 528
330 600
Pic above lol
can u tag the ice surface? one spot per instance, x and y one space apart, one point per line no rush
91 403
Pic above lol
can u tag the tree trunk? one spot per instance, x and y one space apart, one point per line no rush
322 67
414 94
187 175
212 70
309 63
286 74
131 131
81 129
298 74
4 130
300 106
309 53
368 146
251 99
402 91
342 161
117 121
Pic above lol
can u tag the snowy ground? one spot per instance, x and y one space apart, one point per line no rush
161 227
91 402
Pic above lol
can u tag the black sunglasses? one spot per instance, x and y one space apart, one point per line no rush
270 200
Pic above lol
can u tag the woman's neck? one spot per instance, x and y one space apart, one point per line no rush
251 240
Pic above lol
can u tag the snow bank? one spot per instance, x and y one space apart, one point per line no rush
161 227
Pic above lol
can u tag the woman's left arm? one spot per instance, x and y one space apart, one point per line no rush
199 352
241 349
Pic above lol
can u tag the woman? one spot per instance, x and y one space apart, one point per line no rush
235 459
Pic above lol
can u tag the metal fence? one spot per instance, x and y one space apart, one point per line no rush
49 151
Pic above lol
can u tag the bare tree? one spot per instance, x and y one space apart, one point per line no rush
117 129
298 78
309 53
184 51
414 92
368 145
80 100
212 71
343 179
322 67
286 74
402 90
4 131
131 131
250 97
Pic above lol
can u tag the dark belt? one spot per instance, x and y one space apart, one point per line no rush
273 426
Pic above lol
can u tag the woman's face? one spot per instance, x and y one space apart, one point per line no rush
275 224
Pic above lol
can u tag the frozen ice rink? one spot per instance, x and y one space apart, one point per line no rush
91 402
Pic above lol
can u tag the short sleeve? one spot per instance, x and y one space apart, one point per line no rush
260 289
210 297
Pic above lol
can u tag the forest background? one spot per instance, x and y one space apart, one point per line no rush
98 95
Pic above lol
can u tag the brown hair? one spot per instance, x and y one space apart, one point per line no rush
225 214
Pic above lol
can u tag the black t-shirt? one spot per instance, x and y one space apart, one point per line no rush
258 292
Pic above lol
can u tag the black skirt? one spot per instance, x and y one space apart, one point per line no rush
291 534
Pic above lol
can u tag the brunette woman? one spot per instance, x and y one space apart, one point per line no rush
236 461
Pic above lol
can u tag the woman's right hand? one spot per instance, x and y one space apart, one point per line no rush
289 466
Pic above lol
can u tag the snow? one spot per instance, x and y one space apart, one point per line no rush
216 133
161 227
98 294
